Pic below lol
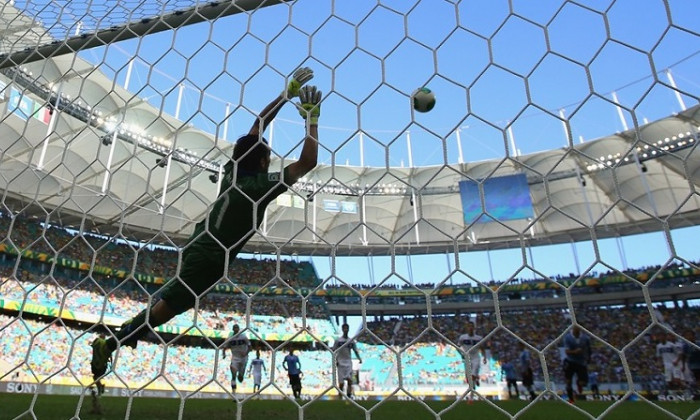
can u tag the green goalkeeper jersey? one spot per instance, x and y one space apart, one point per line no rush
237 212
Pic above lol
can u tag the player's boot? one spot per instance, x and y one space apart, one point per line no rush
570 394
100 357
470 398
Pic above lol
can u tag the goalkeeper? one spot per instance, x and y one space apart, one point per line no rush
246 190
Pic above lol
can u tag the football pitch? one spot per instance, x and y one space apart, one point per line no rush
15 406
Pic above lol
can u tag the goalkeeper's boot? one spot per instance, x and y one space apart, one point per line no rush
100 357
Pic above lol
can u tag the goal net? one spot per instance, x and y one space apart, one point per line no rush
552 188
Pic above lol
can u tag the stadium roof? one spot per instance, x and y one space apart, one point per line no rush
641 180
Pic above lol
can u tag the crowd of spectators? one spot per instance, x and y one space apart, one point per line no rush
415 341
160 261
627 331
425 359
85 299
384 286
146 259
609 281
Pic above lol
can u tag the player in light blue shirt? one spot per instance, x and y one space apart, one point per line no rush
526 373
577 347
593 383
508 370
292 365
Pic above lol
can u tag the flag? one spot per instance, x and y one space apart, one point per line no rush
42 113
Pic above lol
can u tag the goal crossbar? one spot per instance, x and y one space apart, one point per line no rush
196 14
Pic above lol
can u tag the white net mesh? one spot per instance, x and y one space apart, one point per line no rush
42 29
565 123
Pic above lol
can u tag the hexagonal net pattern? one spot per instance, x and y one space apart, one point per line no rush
143 254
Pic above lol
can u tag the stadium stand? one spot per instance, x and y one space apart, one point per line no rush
59 313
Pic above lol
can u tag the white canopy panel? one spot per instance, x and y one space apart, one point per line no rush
79 176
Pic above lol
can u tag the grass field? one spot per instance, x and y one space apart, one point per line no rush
16 406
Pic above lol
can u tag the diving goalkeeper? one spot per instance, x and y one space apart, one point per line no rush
246 190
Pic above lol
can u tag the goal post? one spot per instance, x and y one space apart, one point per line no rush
45 46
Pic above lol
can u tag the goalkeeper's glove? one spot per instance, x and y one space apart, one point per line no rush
299 79
310 104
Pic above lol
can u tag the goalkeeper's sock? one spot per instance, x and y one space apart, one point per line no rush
131 331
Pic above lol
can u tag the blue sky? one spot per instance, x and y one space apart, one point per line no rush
494 63
491 67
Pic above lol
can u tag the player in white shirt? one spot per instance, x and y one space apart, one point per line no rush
343 359
239 346
670 350
470 349
257 366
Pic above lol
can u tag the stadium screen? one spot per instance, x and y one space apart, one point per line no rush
505 198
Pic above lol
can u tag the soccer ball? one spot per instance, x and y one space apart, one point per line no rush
423 99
